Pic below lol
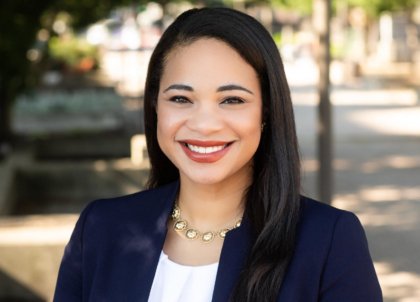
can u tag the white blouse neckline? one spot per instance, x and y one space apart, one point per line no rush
174 282
165 257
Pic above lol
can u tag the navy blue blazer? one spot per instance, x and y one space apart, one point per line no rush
114 250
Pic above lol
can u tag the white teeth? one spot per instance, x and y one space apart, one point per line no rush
205 150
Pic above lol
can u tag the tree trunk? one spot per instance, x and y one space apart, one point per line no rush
322 16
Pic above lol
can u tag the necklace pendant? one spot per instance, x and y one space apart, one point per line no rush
176 213
192 234
180 225
222 233
237 223
207 236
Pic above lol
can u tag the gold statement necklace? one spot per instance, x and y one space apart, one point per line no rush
192 233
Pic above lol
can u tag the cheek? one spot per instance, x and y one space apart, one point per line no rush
164 126
248 127
168 125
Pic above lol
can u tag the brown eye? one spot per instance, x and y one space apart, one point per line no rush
232 100
179 99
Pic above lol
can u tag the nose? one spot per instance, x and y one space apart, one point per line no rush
205 119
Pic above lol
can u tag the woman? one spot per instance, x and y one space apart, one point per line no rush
222 219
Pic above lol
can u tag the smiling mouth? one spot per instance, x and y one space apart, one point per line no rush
206 150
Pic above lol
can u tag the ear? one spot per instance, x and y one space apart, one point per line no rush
265 115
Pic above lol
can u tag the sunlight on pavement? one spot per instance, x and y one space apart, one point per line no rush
368 167
389 193
32 247
388 210
383 206
399 286
35 235
400 97
37 229
399 121
395 162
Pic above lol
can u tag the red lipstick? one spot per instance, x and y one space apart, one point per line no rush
205 157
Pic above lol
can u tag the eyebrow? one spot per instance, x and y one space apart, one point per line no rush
221 88
179 87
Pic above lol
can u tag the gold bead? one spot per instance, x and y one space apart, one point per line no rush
237 223
191 234
176 213
222 233
180 225
207 236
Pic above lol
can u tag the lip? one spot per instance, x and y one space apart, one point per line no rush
205 157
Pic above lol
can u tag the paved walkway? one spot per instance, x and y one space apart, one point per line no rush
377 173
379 182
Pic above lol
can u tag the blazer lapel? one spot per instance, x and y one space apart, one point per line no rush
232 259
150 262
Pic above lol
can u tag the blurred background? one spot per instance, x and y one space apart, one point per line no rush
72 76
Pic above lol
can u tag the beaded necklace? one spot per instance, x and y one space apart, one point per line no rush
191 233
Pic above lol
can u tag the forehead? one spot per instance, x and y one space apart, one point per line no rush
208 62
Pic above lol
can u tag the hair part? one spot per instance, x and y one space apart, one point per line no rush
273 198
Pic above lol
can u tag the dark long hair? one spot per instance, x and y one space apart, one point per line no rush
273 197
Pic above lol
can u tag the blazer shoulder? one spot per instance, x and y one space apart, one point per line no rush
144 205
318 223
147 198
315 212
331 258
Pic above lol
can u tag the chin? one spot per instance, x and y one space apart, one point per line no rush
206 178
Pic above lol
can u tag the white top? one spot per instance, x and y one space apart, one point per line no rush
174 282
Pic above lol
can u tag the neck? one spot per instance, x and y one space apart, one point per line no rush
214 206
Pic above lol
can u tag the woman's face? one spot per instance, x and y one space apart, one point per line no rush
209 111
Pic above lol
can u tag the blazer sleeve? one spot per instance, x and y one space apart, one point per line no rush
70 274
349 274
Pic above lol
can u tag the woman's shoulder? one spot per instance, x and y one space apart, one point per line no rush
147 204
333 243
323 216
323 228
146 198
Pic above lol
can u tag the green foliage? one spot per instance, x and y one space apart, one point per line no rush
372 7
71 50
337 51
20 20
302 6
277 38
85 12
375 7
